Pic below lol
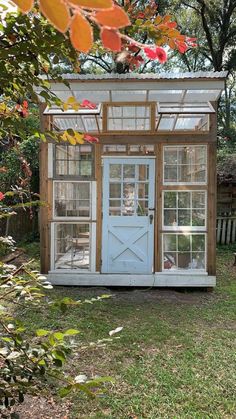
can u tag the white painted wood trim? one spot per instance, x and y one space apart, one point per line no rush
50 160
93 247
94 200
153 280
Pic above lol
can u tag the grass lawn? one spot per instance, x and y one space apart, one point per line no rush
175 357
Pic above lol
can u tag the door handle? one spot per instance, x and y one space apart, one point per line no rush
151 218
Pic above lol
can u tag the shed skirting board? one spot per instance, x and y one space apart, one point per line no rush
153 280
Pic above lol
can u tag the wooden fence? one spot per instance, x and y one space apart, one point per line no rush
226 229
20 226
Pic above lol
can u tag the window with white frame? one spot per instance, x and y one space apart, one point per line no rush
72 246
185 164
184 210
74 161
129 117
72 199
184 251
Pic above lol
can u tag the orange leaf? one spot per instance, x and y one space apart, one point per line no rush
81 33
171 44
24 5
111 39
93 4
114 18
57 13
167 18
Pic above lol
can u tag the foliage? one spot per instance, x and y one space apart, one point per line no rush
27 362
6 245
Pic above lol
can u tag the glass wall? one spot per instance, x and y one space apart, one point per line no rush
184 208
74 197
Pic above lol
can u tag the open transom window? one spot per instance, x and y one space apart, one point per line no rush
129 117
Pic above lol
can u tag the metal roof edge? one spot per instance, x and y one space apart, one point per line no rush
144 77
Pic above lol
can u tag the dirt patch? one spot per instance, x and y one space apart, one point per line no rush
43 408
137 296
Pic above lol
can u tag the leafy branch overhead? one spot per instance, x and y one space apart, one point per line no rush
78 19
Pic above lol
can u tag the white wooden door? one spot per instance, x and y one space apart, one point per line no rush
128 215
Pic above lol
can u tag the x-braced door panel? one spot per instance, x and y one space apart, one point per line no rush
128 215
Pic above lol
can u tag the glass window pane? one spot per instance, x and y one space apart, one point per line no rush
170 200
61 167
115 171
142 208
170 173
72 199
198 199
170 217
128 207
183 199
170 260
198 218
198 242
114 207
128 172
184 217
115 190
170 242
143 190
170 155
72 246
74 160
129 190
198 260
183 242
184 260
143 172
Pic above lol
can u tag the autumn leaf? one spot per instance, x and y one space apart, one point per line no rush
57 12
93 4
81 33
114 18
24 5
111 39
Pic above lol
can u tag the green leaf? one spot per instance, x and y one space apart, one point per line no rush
71 332
58 355
63 392
42 332
58 335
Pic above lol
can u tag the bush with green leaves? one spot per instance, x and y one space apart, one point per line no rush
27 363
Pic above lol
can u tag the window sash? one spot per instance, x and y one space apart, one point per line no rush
189 208
190 254
177 165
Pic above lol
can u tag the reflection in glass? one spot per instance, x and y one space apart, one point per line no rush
143 172
72 246
185 164
72 199
184 251
115 190
128 171
115 171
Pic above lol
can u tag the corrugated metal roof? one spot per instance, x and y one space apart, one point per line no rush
148 76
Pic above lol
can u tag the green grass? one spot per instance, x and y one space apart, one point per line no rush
176 354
